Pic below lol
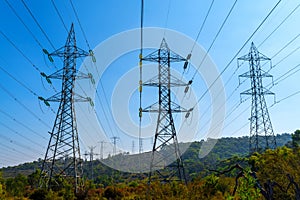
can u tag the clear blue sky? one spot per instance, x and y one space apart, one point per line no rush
25 122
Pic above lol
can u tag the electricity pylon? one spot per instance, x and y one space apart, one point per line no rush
261 130
62 158
101 149
91 155
115 139
166 163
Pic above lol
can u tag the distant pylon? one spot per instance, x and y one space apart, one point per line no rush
115 139
166 163
261 130
141 146
132 147
91 154
102 142
62 158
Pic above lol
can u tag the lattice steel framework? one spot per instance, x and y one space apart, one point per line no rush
62 158
166 163
261 130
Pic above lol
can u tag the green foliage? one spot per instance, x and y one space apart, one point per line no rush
133 184
33 179
296 139
247 188
17 186
2 188
275 165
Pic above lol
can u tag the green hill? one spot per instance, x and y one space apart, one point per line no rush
224 148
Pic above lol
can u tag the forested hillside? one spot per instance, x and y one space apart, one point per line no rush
224 148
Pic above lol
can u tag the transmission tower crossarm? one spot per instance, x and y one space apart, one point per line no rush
173 57
60 74
76 97
78 53
175 108
164 54
55 98
174 82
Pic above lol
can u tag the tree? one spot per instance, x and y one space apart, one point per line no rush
33 179
17 186
296 138
2 188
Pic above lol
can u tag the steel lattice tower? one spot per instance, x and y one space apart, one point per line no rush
62 158
166 163
261 131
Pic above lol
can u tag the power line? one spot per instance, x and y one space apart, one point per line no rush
216 36
102 106
287 74
243 126
105 116
241 113
27 28
7 158
22 124
141 78
20 51
282 22
21 20
288 55
227 99
202 25
290 42
167 19
226 67
15 150
26 58
38 24
17 133
22 105
109 110
198 35
59 15
22 84
76 15
287 97
19 144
